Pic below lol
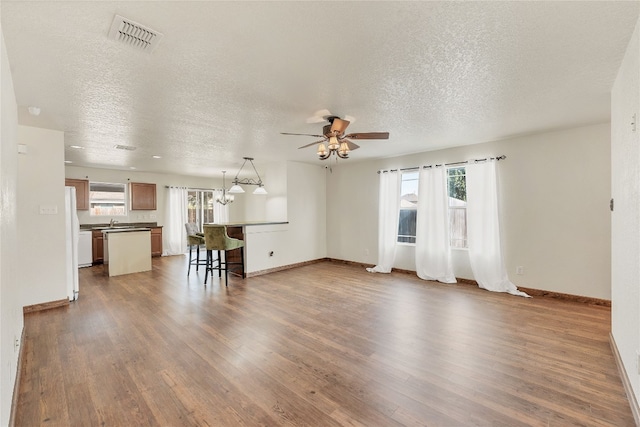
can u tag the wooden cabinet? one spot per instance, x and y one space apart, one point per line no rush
97 246
82 192
142 196
156 241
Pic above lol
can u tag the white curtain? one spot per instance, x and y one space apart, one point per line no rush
483 229
220 212
433 252
174 234
388 213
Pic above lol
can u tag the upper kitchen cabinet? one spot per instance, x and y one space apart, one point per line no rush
143 196
82 192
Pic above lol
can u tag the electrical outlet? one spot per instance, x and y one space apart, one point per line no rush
519 270
16 344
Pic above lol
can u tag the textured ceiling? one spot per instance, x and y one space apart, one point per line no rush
228 77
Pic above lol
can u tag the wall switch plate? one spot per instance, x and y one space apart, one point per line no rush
48 210
519 270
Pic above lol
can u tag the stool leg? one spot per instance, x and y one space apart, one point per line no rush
226 270
189 269
242 262
197 256
207 267
220 264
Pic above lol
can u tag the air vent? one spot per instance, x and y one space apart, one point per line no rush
134 34
124 147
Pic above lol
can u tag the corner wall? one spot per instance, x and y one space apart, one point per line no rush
11 319
42 237
554 194
625 219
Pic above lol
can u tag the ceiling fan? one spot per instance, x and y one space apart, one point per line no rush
337 142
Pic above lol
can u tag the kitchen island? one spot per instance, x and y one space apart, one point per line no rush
238 230
126 250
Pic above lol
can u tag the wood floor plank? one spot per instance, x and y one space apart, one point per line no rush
323 344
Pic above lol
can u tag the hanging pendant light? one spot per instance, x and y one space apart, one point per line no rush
236 188
224 198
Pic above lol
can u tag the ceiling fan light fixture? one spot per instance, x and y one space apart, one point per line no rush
344 149
333 143
322 150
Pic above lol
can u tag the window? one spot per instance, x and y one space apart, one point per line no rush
107 199
408 207
457 183
200 207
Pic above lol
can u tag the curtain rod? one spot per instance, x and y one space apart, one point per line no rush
191 188
502 157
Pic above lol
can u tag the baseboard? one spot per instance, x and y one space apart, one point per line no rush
530 291
284 267
45 306
633 402
16 385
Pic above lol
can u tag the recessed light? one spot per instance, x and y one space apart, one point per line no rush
68 161
77 147
34 111
132 167
157 157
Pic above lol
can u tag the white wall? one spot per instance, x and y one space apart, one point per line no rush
11 319
554 192
304 237
625 222
42 237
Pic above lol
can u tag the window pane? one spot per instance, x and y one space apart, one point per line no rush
107 199
408 206
407 226
457 183
200 207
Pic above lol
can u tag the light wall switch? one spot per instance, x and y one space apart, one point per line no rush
48 210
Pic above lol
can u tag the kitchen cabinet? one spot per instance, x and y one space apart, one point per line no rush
97 246
142 196
156 241
82 192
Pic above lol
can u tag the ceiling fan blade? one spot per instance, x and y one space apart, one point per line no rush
339 126
319 116
301 134
350 119
368 135
352 145
313 143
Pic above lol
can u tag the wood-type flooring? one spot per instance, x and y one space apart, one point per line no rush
326 344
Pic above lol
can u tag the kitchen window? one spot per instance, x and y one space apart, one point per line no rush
107 199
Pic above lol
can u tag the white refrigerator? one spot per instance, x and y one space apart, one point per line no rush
72 226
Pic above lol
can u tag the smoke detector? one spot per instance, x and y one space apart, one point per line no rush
134 34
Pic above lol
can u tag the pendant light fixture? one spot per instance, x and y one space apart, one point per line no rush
224 198
247 181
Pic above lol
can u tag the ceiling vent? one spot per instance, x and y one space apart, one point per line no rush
124 147
134 34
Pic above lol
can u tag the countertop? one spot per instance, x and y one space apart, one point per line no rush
124 229
246 223
119 225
